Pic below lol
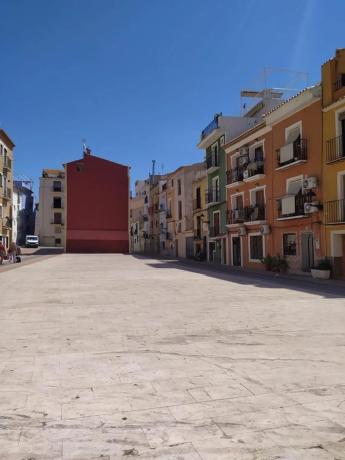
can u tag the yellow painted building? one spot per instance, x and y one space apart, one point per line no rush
6 188
200 224
333 161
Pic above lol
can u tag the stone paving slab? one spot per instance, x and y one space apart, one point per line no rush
113 356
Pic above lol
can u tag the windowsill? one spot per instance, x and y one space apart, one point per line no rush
255 261
256 177
293 217
288 165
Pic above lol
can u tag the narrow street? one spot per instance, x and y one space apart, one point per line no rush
114 356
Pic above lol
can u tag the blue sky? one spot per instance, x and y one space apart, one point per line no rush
139 79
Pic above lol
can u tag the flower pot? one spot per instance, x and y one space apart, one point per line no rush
320 274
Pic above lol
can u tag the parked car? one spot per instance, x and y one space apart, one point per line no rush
31 241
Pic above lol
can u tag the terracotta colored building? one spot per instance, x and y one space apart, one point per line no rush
333 102
97 195
296 180
249 196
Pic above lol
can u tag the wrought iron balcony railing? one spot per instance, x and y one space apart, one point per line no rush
334 211
212 160
214 231
212 196
340 82
335 149
246 214
292 152
291 206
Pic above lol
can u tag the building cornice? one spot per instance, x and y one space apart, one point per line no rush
334 105
242 140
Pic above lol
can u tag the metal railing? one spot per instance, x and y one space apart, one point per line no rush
7 163
196 204
335 149
197 234
340 82
209 128
212 160
234 175
213 196
246 214
214 231
168 214
299 153
299 207
334 211
7 193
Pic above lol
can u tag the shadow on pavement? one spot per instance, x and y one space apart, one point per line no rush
327 289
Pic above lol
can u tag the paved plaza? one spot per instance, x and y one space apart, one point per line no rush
114 356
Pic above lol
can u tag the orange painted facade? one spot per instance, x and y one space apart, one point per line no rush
274 187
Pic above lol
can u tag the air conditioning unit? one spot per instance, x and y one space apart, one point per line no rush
309 183
265 229
242 231
311 207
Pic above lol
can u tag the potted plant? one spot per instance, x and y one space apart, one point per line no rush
268 262
322 270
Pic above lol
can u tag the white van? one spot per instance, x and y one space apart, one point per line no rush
31 241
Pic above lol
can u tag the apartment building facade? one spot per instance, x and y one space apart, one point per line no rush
200 216
297 198
333 160
51 208
23 211
249 192
136 224
6 188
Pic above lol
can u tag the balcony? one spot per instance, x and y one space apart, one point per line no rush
197 234
247 214
197 204
57 189
7 164
209 128
169 214
56 222
212 162
214 231
340 82
292 153
335 149
234 175
212 196
7 222
291 206
7 194
168 236
335 212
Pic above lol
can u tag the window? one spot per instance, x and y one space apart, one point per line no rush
57 218
57 186
57 202
289 244
256 251
180 210
57 241
198 198
80 167
0 210
179 186
1 180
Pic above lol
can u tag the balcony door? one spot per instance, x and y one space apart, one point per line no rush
307 251
236 251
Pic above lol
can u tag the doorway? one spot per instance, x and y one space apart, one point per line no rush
307 251
236 251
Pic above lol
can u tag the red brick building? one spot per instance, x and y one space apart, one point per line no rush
97 205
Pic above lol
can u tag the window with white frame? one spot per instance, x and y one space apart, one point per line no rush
256 247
